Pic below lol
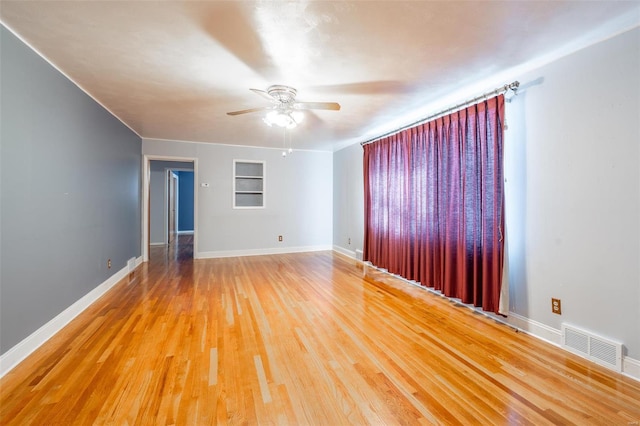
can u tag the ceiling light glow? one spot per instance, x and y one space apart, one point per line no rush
284 118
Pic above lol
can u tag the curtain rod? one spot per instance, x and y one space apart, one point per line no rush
502 89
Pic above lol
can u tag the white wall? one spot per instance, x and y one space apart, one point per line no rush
348 200
572 162
573 211
299 203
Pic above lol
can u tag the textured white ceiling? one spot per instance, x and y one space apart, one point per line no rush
172 69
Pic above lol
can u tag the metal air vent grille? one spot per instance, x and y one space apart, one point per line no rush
595 348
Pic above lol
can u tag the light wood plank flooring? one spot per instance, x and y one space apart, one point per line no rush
312 338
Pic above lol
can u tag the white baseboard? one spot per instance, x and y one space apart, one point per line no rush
258 252
630 366
346 252
185 232
157 244
19 352
535 328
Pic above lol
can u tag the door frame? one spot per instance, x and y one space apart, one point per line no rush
166 197
171 203
146 181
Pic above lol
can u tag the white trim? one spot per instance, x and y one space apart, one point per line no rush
259 252
535 328
236 145
157 244
27 346
631 367
346 252
185 232
146 177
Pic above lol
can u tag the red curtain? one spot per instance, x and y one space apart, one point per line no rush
434 203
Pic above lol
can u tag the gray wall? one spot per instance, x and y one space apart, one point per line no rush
348 199
157 200
299 203
572 164
70 191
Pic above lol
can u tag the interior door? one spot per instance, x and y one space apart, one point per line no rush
172 205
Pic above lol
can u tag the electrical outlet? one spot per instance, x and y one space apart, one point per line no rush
556 306
349 241
280 238
109 264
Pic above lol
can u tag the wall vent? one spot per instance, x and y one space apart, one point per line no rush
595 348
358 254
131 264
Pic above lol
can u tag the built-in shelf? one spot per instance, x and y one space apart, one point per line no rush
248 184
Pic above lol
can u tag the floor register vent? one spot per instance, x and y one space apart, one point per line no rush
595 348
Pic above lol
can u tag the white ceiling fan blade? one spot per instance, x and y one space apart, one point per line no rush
332 106
264 94
246 111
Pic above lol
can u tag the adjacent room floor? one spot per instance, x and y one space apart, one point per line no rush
309 338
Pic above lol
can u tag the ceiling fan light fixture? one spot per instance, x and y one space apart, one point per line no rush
285 119
287 112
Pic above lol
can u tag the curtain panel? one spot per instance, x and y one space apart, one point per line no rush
434 204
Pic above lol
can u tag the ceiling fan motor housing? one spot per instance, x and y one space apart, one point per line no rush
283 94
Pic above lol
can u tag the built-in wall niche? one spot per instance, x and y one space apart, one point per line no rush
248 184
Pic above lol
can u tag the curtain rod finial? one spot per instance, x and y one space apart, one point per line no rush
514 89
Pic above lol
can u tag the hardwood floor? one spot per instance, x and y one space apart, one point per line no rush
311 338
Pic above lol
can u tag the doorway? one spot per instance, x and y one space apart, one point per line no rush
161 203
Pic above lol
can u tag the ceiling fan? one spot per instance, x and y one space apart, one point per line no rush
285 111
